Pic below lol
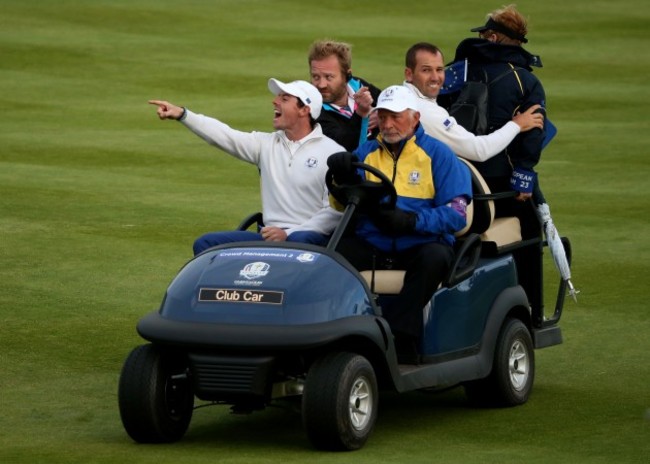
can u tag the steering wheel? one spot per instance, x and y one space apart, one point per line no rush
365 194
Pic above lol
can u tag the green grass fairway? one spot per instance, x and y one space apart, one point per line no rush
100 202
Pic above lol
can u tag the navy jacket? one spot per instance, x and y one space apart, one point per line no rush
516 92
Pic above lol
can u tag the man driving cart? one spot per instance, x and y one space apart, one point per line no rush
417 235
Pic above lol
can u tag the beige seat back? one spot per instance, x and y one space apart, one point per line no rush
501 232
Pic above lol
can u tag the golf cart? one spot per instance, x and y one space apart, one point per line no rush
252 323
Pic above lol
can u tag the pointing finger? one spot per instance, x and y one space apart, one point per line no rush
159 104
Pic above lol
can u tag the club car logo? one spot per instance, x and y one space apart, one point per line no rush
255 270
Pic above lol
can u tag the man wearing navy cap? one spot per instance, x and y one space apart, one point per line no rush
498 52
513 88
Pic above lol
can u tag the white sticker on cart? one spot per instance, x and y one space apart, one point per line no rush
270 254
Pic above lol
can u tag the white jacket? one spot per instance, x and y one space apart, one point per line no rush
437 123
292 174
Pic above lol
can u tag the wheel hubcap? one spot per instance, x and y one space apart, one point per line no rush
360 405
518 365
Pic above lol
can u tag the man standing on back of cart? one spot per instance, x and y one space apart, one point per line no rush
433 191
292 163
499 53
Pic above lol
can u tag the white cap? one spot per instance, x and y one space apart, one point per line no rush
303 90
397 98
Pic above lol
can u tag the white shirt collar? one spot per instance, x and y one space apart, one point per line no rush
417 92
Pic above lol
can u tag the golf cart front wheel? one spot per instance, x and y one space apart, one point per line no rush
339 407
155 396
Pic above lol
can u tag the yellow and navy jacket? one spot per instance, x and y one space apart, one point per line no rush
428 179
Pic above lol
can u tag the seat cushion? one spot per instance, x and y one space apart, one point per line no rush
386 282
503 231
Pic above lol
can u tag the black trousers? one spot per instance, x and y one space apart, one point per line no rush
528 259
426 266
530 226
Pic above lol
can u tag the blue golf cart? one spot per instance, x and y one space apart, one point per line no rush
250 324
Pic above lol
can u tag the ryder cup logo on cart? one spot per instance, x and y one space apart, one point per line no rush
306 257
255 270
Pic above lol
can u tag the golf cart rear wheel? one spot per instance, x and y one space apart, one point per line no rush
339 406
513 370
155 396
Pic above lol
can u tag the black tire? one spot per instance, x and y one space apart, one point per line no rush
513 369
339 404
155 396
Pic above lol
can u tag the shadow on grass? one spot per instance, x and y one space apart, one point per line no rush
280 426
277 427
563 414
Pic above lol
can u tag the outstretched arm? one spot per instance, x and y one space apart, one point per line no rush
243 145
